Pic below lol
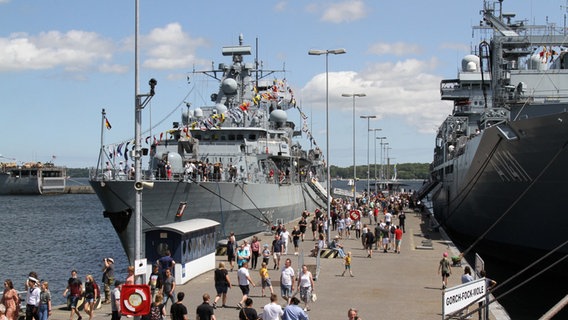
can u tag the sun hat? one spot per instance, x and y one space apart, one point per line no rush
445 254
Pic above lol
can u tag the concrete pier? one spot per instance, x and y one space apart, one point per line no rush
386 286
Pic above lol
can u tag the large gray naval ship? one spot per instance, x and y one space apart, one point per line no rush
236 161
499 175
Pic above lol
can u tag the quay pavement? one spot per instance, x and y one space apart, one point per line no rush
386 286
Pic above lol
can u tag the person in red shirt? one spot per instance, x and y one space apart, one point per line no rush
397 239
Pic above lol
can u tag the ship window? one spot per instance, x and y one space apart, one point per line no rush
215 137
240 137
252 137
198 136
206 137
223 137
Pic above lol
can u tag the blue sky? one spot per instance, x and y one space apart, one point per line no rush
62 61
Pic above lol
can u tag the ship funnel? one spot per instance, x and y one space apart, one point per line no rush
141 185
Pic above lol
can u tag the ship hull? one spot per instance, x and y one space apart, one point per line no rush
244 209
509 192
33 182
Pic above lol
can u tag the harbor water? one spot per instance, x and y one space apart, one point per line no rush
52 235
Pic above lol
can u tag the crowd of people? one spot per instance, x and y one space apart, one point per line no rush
379 225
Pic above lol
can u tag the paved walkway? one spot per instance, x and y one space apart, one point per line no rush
386 286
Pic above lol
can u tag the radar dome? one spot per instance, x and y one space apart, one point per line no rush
175 162
279 116
198 113
470 63
220 108
229 86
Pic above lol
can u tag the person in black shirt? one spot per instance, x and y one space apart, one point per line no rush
248 312
178 311
205 310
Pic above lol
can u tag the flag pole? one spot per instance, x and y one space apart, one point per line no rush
101 153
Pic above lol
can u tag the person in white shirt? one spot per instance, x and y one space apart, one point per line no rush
287 280
272 311
285 237
244 282
32 297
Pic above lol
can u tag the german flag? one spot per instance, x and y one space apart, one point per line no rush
107 124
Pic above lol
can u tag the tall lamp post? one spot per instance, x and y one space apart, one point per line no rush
368 164
377 138
381 160
375 146
315 52
354 95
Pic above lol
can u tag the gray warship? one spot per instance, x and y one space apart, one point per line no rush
237 161
499 177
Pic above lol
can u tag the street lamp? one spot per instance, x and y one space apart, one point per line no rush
381 160
315 52
375 144
368 165
384 153
354 95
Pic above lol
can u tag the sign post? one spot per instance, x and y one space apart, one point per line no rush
458 297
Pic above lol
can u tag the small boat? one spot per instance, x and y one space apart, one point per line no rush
32 178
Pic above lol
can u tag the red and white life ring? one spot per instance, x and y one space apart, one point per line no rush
135 299
355 214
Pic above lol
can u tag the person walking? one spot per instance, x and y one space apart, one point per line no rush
277 249
222 285
244 282
401 221
347 263
90 295
445 270
178 311
265 279
205 311
296 239
306 286
166 262
108 277
155 281
397 239
44 301
169 287
157 309
32 297
255 250
465 278
287 280
248 312
272 311
11 300
231 241
75 289
293 311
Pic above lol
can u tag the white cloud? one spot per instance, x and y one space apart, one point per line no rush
73 51
171 48
346 11
396 49
405 90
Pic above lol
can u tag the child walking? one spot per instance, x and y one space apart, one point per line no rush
347 262
265 279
